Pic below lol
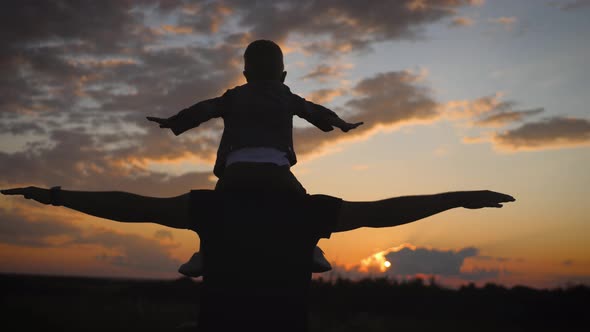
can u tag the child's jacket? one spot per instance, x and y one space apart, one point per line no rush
258 114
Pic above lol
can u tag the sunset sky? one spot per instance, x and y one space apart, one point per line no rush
455 95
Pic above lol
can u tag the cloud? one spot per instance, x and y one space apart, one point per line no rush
16 229
109 151
78 160
383 102
324 73
487 111
322 96
343 26
508 23
134 251
163 234
461 21
503 20
175 29
75 54
408 261
556 132
77 81
491 111
205 17
477 139
502 118
467 109
571 5
41 60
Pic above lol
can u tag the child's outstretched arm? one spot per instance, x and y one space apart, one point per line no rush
337 122
191 117
324 118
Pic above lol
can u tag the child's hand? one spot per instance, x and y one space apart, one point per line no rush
164 123
345 127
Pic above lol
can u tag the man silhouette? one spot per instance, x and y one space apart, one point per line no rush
269 294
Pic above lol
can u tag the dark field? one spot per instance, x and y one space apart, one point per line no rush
34 303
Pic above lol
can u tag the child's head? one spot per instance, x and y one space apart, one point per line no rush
263 61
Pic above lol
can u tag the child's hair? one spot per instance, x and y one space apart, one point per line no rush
263 60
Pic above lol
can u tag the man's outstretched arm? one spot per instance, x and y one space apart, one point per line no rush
115 205
402 210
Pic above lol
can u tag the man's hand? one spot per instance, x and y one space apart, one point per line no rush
39 194
483 198
345 127
164 123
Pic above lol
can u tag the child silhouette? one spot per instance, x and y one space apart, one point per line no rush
256 149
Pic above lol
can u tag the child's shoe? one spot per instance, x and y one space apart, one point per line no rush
194 266
320 263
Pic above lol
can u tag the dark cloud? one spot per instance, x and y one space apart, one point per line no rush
383 101
549 133
54 52
392 97
82 77
20 128
78 161
409 261
60 56
344 25
38 38
98 26
204 17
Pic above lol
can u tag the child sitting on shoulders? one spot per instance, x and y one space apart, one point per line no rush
256 149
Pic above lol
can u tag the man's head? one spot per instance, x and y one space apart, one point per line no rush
263 61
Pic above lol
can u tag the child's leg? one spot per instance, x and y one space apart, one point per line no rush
319 261
193 267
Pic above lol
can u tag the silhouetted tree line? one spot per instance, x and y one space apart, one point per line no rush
101 304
